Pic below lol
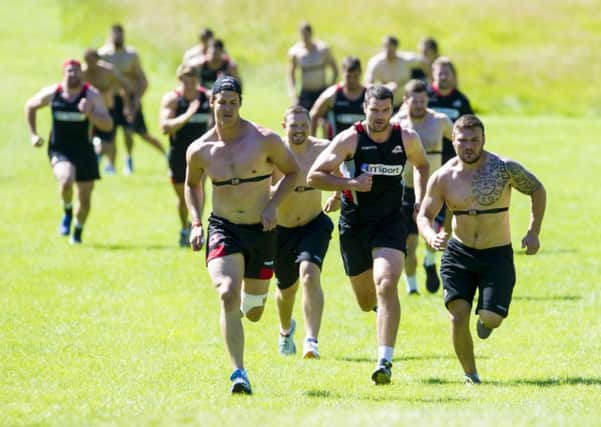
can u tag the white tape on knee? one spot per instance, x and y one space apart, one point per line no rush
250 301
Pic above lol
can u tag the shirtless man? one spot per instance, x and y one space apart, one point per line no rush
431 128
313 57
184 117
108 80
392 68
216 64
303 236
372 223
343 100
126 60
76 106
196 54
239 158
428 49
476 185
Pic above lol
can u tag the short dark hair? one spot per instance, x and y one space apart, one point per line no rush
444 60
390 39
117 27
297 109
468 121
415 86
91 52
378 92
431 43
205 33
217 44
351 63
305 26
227 83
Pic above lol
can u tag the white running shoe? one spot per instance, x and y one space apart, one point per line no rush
286 342
310 350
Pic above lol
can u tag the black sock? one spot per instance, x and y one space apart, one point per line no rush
69 211
77 232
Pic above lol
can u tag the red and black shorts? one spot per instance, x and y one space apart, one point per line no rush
256 246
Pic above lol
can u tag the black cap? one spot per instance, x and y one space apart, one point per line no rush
227 83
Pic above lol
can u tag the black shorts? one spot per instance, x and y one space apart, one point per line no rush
84 159
448 152
105 136
358 240
257 246
308 97
177 163
491 271
408 208
307 242
119 119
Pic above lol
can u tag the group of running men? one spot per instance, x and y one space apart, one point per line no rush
382 167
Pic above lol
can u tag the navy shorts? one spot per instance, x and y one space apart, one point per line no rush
177 163
256 246
119 119
358 240
490 271
104 136
83 158
307 242
308 97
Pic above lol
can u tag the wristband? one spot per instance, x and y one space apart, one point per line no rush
197 224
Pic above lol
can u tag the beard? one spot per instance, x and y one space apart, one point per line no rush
470 159
73 82
418 114
298 138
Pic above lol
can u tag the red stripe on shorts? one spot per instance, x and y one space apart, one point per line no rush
217 252
265 273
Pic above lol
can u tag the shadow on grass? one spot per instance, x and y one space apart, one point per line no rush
326 394
547 297
558 251
548 382
130 247
401 358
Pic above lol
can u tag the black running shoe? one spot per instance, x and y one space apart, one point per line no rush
383 373
432 280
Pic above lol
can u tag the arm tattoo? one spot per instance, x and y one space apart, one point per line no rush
521 179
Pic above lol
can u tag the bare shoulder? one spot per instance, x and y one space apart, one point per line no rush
329 92
294 49
438 115
321 45
521 178
169 98
445 171
202 144
400 117
106 49
106 66
92 92
409 134
318 143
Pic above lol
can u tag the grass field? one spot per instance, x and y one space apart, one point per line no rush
124 329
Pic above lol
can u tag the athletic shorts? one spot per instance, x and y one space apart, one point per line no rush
119 119
257 246
448 152
491 271
358 240
105 136
84 159
408 208
307 242
308 97
177 163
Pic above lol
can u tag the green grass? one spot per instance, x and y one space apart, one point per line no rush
124 330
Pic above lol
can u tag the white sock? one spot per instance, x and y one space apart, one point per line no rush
385 352
67 205
78 225
411 283
430 258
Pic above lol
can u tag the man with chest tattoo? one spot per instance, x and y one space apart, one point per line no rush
238 157
372 155
431 127
476 186
303 236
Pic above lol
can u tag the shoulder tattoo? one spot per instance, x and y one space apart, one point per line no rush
489 181
521 179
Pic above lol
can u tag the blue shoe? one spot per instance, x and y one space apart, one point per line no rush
64 227
184 237
240 382
383 372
